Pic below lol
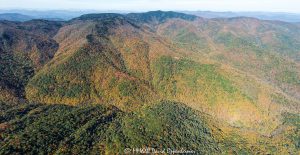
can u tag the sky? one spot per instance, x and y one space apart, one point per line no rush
292 6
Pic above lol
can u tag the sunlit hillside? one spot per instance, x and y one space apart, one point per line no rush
101 83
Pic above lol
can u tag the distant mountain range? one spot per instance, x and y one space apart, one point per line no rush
100 83
15 17
22 18
287 17
25 15
52 15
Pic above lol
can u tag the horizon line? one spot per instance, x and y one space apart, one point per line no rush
139 11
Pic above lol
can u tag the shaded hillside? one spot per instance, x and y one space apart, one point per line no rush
15 17
157 17
111 59
24 49
62 129
267 50
241 74
99 17
59 129
76 73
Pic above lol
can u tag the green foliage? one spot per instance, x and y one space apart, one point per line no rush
47 84
159 16
280 99
97 72
66 80
10 112
169 71
288 44
41 128
60 129
293 120
15 71
159 132
207 72
127 88
241 44
287 76
164 68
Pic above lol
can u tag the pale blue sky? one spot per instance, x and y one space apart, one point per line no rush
146 5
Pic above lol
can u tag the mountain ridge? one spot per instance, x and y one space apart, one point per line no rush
15 17
243 72
281 16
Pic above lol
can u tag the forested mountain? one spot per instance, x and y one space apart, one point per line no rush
279 16
101 83
15 17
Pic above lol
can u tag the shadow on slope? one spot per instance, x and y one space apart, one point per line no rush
61 129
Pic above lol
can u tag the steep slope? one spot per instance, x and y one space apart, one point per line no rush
98 129
59 129
24 49
254 57
114 60
242 72
89 68
266 98
264 49
108 58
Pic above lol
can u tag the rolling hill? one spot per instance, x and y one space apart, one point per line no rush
15 17
279 16
148 76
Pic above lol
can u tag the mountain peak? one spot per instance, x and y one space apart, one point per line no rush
99 16
160 16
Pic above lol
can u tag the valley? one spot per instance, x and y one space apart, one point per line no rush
101 83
